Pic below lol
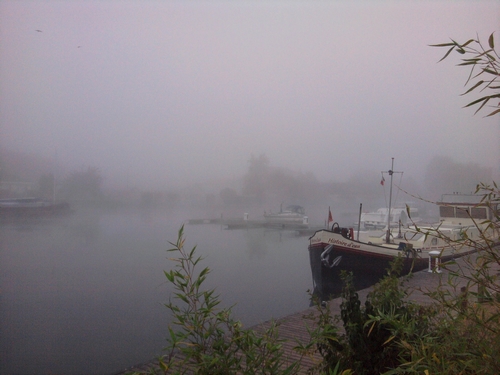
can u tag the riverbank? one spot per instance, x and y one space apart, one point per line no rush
295 327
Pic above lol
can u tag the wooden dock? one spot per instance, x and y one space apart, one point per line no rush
294 327
241 223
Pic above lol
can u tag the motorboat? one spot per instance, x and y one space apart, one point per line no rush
292 215
463 226
399 215
22 208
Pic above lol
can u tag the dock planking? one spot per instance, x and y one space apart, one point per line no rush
242 223
295 328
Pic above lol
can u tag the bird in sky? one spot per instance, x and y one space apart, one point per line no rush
38 31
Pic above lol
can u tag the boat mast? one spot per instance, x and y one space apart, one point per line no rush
54 179
359 220
388 234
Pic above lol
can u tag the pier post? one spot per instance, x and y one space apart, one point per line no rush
436 255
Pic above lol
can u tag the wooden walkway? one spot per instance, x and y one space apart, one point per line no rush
294 327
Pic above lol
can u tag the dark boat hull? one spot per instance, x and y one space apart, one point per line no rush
367 269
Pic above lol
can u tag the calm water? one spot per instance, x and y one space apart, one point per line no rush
84 294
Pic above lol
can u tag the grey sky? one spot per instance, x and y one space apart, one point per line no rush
171 92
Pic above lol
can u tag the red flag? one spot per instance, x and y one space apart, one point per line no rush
330 218
382 181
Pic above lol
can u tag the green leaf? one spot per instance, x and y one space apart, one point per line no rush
473 87
486 70
192 252
389 340
482 105
484 98
163 366
467 43
443 45
169 276
491 57
494 112
204 272
491 41
447 53
469 62
181 297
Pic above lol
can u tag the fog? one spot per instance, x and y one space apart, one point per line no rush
161 94
145 114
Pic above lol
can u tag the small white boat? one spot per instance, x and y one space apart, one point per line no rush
379 218
22 208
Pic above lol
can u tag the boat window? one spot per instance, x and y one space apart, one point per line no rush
414 236
478 213
446 211
462 212
496 212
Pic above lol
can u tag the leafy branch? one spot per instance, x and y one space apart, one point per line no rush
485 69
204 338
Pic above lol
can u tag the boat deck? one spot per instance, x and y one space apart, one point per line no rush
294 327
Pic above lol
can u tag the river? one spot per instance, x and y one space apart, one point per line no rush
84 294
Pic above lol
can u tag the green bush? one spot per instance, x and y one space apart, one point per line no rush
369 343
465 336
206 339
459 333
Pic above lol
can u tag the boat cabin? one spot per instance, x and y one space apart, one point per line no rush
379 218
461 208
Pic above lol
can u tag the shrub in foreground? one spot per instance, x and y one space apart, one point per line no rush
205 338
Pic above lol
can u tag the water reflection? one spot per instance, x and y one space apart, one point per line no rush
84 294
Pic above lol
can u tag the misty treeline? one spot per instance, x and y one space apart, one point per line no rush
264 186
